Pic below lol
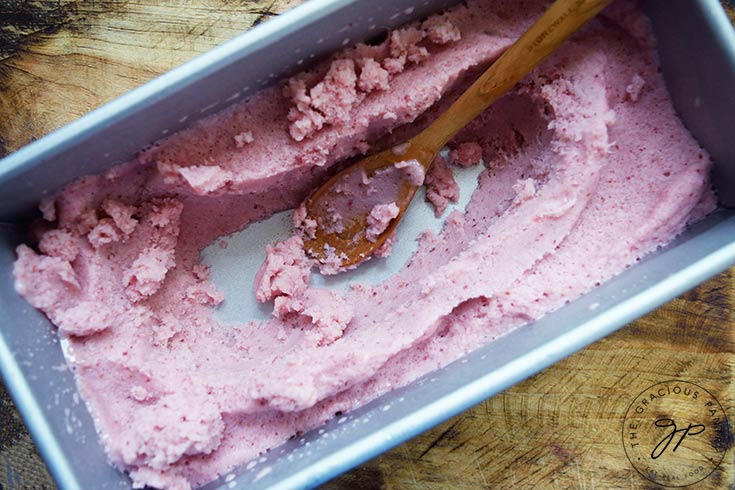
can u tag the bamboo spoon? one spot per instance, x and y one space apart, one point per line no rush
348 245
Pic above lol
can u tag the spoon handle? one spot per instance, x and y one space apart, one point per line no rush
562 19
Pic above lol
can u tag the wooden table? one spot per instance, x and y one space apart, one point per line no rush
559 429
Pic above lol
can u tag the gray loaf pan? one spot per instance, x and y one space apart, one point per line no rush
697 48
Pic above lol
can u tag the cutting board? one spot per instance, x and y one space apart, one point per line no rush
563 428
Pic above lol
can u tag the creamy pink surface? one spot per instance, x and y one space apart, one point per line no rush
379 219
588 169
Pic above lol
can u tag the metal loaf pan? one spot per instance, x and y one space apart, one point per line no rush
697 48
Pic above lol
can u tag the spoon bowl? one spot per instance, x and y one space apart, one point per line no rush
349 245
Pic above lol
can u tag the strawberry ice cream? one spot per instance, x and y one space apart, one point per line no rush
441 189
413 172
466 154
379 219
586 169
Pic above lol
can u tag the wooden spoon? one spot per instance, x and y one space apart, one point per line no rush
347 245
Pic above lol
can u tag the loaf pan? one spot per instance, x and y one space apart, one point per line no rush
697 50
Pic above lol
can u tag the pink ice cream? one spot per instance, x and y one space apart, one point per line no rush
285 272
413 172
379 219
587 170
441 189
466 154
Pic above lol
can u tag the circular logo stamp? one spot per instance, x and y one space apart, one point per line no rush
675 433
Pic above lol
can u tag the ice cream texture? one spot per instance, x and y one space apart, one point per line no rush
586 168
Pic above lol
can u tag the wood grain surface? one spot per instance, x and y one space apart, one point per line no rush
559 429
